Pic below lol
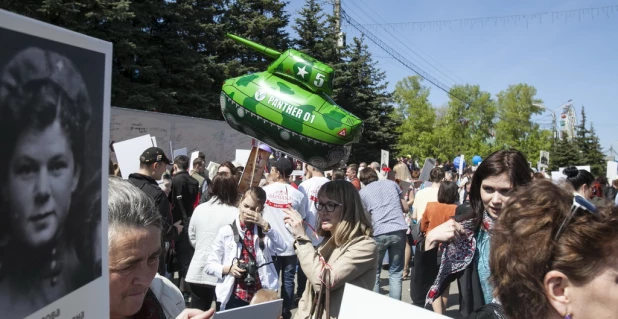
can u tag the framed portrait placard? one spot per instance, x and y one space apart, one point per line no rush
55 88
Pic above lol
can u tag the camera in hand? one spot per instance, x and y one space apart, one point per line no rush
250 273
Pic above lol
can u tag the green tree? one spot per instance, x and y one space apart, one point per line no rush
162 59
415 134
565 154
582 137
595 157
317 36
514 128
188 37
261 21
466 126
362 90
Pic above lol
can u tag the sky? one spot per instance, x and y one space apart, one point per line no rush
574 57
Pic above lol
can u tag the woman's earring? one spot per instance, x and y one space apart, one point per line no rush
568 316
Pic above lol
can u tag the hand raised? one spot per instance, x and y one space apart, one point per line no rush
294 221
447 231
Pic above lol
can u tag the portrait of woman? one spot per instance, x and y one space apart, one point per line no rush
50 188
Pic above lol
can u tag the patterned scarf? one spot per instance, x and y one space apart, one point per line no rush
457 255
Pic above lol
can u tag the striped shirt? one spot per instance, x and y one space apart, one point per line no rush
382 201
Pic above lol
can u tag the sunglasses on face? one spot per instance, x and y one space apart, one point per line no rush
330 206
579 204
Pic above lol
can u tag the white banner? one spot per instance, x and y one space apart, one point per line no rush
384 155
612 171
128 153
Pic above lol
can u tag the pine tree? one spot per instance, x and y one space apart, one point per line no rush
263 22
565 154
188 37
581 138
362 90
317 36
595 157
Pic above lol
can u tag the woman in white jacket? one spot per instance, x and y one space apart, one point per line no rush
221 210
248 241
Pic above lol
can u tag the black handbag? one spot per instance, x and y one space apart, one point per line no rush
173 264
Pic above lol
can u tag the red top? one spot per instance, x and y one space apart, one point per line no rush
356 184
242 291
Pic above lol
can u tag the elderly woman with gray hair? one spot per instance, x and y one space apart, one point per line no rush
134 235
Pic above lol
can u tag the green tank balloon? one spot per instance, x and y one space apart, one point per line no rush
289 108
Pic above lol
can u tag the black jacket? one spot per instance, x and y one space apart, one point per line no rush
188 187
149 186
469 284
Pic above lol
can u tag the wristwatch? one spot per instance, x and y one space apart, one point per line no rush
267 228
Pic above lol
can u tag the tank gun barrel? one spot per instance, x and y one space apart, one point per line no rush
271 53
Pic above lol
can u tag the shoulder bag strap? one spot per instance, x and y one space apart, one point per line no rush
182 209
237 239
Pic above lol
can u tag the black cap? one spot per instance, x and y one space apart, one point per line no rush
284 166
153 155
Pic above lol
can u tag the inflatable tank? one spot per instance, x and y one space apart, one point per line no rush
289 108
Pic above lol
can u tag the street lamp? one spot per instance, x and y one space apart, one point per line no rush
553 113
611 150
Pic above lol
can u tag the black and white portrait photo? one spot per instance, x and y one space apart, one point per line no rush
51 137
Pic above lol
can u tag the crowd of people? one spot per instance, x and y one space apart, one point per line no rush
507 236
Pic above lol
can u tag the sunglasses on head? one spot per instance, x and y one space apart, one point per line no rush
330 206
579 203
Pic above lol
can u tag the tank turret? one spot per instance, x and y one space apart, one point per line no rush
288 107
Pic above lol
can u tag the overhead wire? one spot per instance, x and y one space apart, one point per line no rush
388 38
397 56
538 16
401 36
391 41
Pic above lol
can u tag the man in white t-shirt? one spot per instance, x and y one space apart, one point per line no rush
310 188
279 195
428 194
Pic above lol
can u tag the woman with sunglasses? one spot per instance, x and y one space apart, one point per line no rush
347 254
554 256
464 245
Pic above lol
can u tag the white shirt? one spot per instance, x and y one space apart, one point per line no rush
225 251
278 197
205 223
310 189
424 196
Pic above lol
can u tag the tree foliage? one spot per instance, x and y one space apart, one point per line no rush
316 34
466 127
361 88
170 56
515 129
416 136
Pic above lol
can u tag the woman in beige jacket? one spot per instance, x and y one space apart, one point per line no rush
347 254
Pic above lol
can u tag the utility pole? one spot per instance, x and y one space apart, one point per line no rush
337 12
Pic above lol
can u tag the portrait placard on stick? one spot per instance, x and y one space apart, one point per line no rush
254 169
55 88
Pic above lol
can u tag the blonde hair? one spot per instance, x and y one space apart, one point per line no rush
354 220
264 295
